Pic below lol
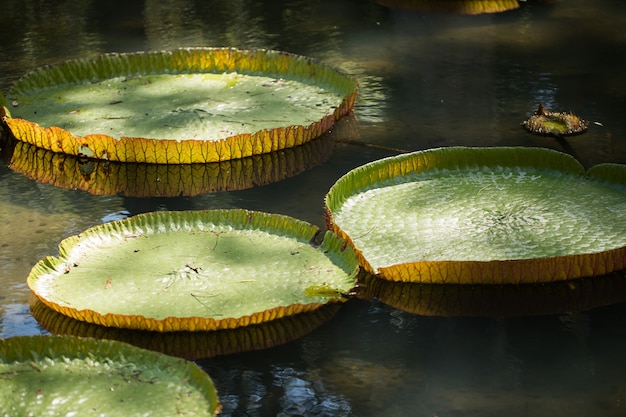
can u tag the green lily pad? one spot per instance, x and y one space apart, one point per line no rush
195 270
483 215
50 375
557 124
183 106
470 7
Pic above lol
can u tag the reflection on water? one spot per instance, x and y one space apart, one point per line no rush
32 35
377 361
102 177
545 90
427 80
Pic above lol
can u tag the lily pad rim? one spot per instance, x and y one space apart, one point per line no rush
570 164
611 175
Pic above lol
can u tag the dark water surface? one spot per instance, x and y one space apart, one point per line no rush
426 80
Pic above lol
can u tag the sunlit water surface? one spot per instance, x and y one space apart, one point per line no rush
426 80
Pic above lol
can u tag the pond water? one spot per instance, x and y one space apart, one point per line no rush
426 80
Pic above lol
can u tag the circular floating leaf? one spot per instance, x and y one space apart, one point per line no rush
182 106
50 375
192 345
195 270
483 215
548 123
3 109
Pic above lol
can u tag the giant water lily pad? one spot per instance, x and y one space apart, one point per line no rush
483 215
65 376
182 106
163 180
195 270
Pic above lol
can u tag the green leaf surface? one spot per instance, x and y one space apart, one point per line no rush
178 106
164 180
64 376
194 271
183 106
436 210
192 345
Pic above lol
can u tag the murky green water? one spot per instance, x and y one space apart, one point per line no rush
427 80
